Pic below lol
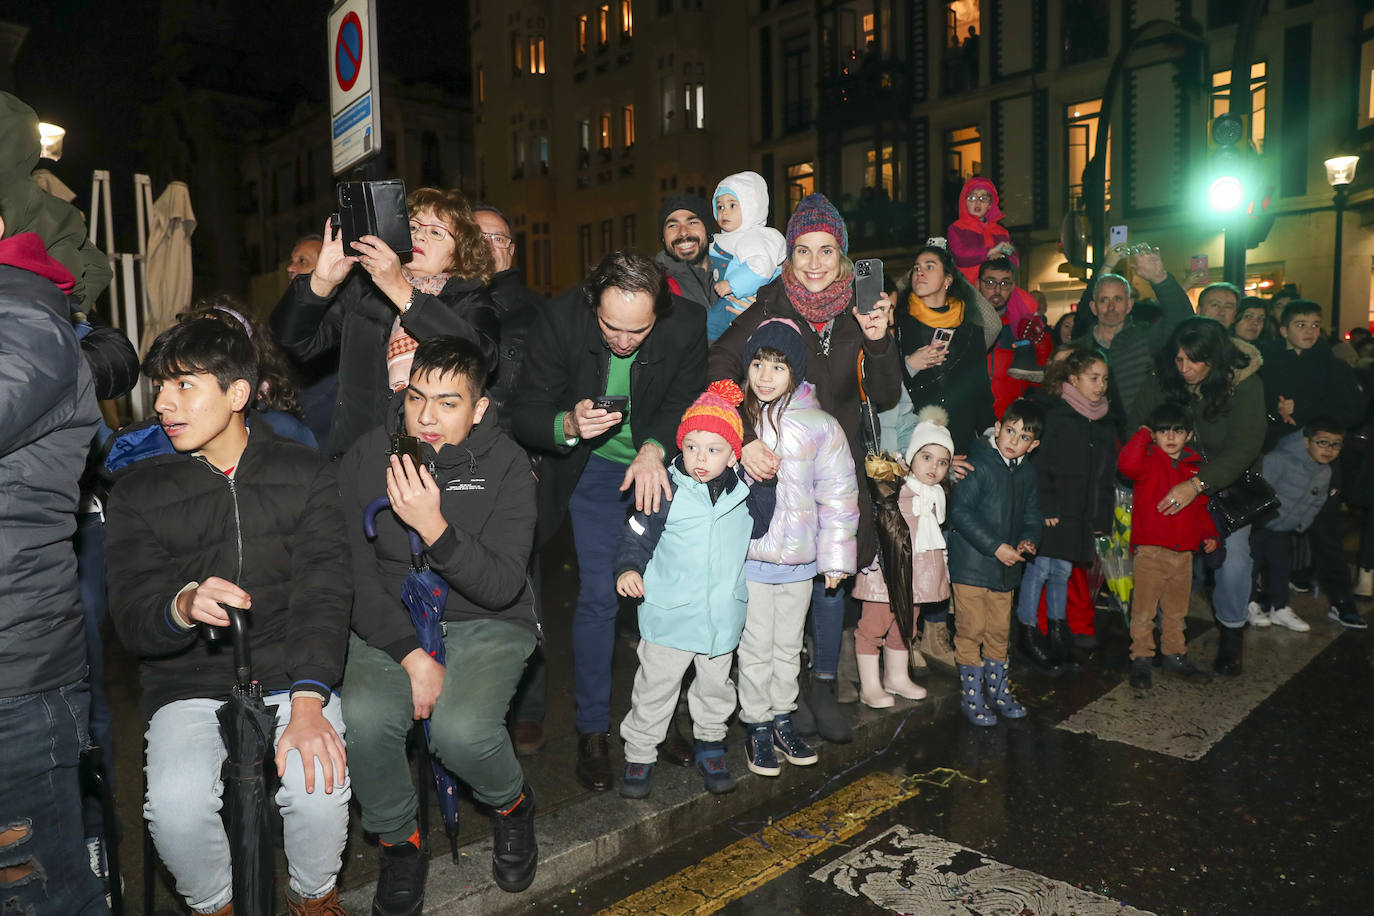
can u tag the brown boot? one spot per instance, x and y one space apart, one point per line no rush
937 647
328 905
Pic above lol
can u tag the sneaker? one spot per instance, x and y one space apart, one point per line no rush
400 880
788 743
636 783
758 749
1300 584
1259 617
1141 677
1284 617
1180 665
1347 617
514 853
713 768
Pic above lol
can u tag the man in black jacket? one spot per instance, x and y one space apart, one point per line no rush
472 505
626 338
685 260
235 517
47 417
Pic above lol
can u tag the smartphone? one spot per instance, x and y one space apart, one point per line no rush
374 208
1199 264
868 284
407 445
942 337
613 403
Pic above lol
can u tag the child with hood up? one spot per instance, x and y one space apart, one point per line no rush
978 234
745 254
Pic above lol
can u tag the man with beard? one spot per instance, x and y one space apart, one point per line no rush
683 260
1022 330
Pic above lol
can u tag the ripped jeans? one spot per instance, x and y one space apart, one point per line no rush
43 862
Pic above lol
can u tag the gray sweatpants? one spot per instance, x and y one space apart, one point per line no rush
770 649
710 699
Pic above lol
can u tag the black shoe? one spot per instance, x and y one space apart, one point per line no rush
1061 645
1344 613
675 748
832 723
803 723
1141 677
1033 650
1181 665
594 761
400 881
514 853
1230 650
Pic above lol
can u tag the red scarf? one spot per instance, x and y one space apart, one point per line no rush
992 218
818 307
26 251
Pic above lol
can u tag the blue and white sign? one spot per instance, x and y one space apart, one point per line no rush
355 119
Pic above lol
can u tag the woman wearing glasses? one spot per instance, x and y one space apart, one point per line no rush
978 235
374 308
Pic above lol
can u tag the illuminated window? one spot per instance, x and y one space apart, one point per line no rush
962 19
603 135
582 35
603 25
801 181
541 153
1080 124
517 50
1259 90
965 151
882 170
627 125
694 105
537 61
627 19
666 86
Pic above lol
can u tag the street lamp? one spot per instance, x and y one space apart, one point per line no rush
1340 172
50 140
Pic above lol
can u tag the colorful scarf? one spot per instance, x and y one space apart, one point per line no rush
1093 410
951 316
400 346
819 307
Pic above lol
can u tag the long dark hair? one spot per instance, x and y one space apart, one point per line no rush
756 413
1202 340
276 385
1075 360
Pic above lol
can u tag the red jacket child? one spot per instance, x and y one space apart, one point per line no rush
1155 473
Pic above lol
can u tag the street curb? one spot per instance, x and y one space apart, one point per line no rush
605 833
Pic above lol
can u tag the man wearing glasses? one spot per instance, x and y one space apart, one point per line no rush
1017 360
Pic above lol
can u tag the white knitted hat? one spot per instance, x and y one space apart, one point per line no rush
932 428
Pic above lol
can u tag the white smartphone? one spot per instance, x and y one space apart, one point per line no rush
942 337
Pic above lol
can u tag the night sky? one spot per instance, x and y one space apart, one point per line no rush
94 72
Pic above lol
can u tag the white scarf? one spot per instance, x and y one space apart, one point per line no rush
928 505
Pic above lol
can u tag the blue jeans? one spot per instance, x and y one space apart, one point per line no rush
185 794
827 626
1052 575
598 510
44 848
1231 594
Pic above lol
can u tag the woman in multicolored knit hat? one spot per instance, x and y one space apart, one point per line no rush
815 291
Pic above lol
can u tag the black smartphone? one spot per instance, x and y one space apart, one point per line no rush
374 208
613 403
868 284
407 445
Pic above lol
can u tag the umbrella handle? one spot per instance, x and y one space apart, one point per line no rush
417 546
243 663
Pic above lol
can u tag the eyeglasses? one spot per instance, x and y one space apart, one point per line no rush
500 241
431 231
1328 443
997 284
985 198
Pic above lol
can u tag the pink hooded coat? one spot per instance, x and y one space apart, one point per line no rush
971 237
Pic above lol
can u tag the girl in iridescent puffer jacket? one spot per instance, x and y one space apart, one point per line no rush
813 533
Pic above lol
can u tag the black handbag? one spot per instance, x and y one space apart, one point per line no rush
1245 500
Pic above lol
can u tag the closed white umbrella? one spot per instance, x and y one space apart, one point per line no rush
167 273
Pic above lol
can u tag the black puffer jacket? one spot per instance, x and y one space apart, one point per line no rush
517 306
356 320
47 418
275 529
1076 473
487 499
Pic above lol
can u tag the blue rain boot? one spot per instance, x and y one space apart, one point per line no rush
998 687
971 696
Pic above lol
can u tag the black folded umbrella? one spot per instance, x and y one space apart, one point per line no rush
248 729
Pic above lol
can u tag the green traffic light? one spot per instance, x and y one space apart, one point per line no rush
1226 194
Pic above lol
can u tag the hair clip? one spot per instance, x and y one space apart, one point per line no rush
938 241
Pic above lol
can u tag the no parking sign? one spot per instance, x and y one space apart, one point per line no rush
355 119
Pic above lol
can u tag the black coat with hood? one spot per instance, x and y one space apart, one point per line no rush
274 528
488 499
1076 474
356 319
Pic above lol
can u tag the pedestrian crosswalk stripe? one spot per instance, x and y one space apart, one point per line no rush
771 851
1185 720
912 872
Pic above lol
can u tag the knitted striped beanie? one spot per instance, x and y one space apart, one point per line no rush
715 412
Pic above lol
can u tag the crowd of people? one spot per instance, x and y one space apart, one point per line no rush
710 424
